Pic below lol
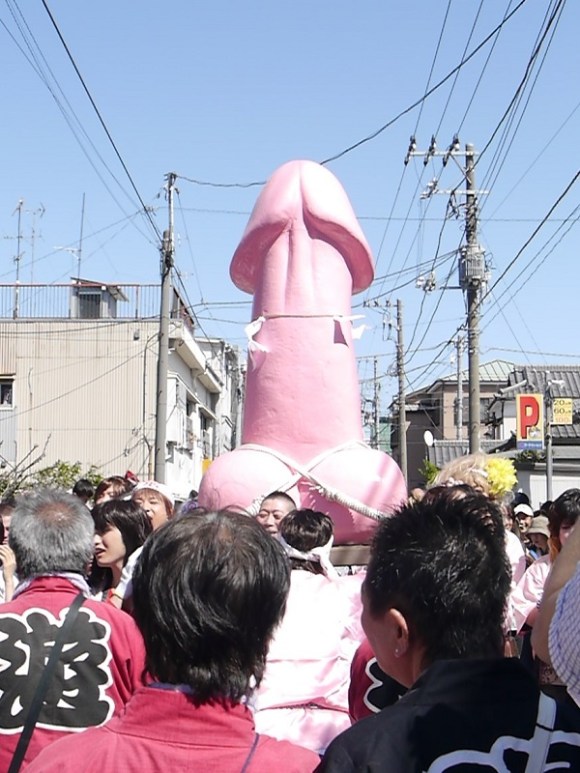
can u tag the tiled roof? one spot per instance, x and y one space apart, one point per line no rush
444 451
495 371
536 377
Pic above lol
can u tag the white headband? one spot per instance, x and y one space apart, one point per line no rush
320 555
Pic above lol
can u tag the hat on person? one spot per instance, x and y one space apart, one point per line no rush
539 525
160 488
524 510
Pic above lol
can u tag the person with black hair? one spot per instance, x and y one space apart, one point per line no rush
304 694
273 509
208 591
433 610
121 526
84 490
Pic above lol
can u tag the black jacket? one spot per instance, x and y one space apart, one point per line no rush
460 716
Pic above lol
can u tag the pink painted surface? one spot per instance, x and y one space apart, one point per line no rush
302 256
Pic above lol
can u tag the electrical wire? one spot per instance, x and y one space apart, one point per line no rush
103 124
431 91
567 355
455 79
496 165
377 132
574 217
533 235
411 355
480 78
523 80
67 112
490 218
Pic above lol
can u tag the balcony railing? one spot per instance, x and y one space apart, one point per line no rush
87 300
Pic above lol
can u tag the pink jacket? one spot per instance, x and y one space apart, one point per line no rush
529 591
304 695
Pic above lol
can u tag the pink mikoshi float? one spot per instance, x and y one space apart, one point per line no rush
302 256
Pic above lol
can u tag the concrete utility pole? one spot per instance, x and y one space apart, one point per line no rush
472 269
459 407
401 376
549 420
549 430
167 257
471 279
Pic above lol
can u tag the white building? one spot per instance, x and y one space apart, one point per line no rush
78 376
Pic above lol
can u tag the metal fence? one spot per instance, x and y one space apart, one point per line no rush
84 300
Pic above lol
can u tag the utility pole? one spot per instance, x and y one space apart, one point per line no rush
167 257
549 420
402 418
472 268
471 279
549 424
459 407
377 391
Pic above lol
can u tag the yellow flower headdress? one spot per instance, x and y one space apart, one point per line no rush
494 476
501 476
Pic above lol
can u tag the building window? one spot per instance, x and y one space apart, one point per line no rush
90 305
6 392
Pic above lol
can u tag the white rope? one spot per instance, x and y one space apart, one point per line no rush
332 494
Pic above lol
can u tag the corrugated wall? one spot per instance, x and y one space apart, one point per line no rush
82 385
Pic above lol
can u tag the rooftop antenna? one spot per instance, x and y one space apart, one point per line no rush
39 211
15 310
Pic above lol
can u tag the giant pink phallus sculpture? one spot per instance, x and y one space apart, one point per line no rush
302 256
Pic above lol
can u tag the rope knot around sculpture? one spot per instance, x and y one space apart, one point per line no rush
302 256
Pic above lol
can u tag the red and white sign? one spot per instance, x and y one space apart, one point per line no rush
530 422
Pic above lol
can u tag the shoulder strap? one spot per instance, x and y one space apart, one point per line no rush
542 734
44 681
251 753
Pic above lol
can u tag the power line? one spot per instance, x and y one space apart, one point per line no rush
432 90
373 135
453 85
66 109
145 209
504 148
532 236
523 81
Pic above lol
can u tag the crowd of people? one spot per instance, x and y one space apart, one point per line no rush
138 634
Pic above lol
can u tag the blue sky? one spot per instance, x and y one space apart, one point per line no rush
225 92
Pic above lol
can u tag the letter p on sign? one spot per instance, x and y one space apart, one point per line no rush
530 421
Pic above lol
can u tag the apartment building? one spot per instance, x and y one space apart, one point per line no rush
78 381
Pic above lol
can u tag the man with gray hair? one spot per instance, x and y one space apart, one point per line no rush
102 659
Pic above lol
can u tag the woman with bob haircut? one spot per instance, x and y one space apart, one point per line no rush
304 695
157 502
208 592
121 527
